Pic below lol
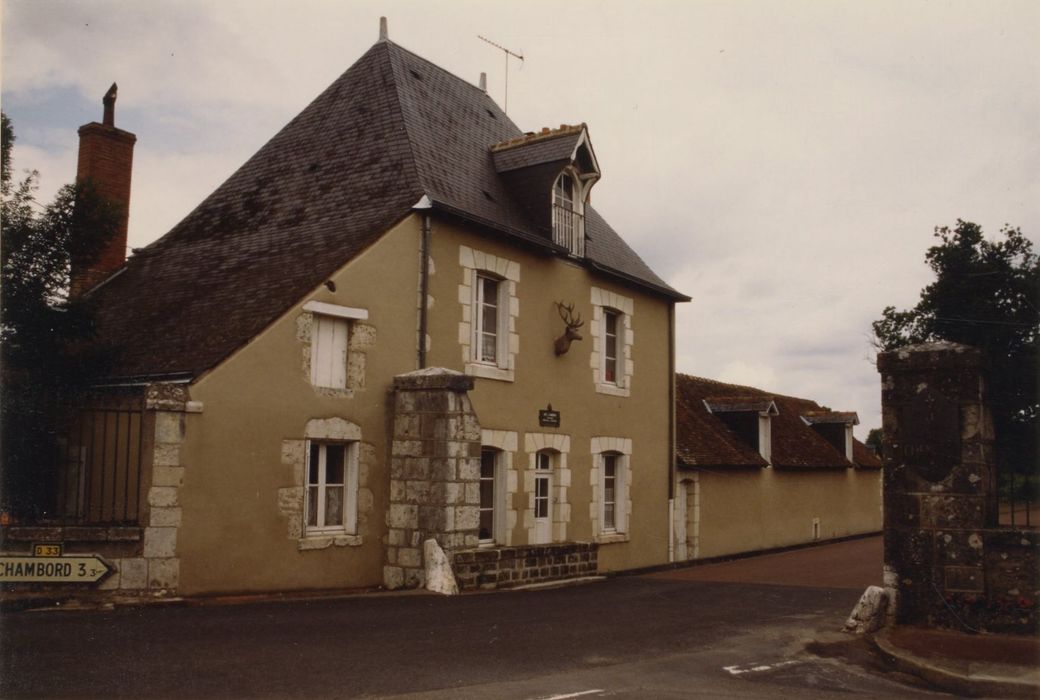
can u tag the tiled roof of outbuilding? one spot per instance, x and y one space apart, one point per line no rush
703 440
393 128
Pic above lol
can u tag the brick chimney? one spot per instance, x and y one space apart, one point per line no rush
106 156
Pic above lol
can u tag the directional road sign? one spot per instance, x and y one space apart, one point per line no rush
75 568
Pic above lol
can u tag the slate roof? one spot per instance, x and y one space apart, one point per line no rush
393 128
534 149
704 441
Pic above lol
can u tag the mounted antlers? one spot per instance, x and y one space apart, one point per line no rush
563 343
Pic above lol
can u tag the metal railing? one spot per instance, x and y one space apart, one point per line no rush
1018 499
569 230
99 479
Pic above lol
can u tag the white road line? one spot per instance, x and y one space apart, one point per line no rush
572 695
758 668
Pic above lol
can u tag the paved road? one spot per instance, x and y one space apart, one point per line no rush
628 637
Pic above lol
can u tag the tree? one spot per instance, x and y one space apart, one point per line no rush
874 440
985 294
46 356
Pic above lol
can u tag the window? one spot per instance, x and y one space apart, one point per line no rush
488 469
612 338
610 492
487 320
490 307
610 345
332 478
329 352
568 223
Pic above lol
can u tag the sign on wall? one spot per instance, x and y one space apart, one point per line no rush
47 564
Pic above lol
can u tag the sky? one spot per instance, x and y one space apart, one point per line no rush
783 162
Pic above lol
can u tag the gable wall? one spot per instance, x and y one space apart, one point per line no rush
243 453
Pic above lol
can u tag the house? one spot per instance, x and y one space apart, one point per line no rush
399 320
759 471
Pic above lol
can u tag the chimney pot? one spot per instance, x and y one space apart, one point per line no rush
483 81
384 33
109 101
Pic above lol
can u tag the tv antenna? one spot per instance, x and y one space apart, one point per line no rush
508 53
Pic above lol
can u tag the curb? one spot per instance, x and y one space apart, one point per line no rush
967 684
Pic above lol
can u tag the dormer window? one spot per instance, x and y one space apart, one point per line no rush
749 418
835 427
568 222
550 174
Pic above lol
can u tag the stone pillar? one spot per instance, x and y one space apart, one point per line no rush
939 480
434 471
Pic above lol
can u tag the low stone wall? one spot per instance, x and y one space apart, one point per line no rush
505 567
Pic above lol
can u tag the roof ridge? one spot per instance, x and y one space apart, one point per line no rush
774 394
442 69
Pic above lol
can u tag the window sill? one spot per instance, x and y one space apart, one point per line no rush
475 369
612 389
326 541
333 392
613 537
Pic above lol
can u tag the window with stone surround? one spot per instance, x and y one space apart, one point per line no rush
487 332
335 343
332 483
308 466
611 481
498 483
612 339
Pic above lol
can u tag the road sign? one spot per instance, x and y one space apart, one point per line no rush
75 568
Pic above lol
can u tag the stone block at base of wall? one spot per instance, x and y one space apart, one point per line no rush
506 567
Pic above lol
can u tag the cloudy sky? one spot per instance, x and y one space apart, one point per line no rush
783 163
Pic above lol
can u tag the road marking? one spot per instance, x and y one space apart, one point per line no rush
758 668
572 695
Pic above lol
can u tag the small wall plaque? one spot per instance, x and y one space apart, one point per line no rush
548 418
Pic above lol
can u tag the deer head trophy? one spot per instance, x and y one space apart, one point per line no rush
563 343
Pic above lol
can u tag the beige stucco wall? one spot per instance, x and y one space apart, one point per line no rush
567 383
234 535
237 532
728 512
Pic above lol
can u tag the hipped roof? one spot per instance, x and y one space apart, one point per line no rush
704 441
394 128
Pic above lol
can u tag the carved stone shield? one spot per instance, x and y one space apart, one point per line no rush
931 435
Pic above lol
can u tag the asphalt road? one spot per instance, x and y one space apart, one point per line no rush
632 637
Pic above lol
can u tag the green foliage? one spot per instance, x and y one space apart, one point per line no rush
874 440
44 335
985 294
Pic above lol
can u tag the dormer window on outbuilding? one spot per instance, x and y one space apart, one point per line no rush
749 418
551 173
835 427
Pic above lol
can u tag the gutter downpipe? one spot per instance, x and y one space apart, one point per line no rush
671 432
424 286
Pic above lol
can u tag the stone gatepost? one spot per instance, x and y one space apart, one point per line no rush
939 480
434 471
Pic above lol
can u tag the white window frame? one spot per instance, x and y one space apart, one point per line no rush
350 488
545 467
498 500
619 329
621 449
620 494
568 211
476 265
604 303
479 330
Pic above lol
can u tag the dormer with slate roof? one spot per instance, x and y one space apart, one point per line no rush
835 427
551 173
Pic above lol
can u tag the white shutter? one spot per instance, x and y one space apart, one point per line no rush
329 352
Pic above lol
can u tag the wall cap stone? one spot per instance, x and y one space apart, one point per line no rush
942 354
433 378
